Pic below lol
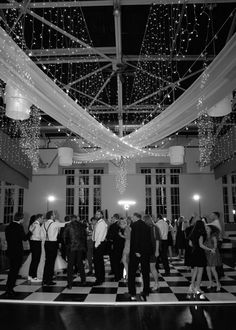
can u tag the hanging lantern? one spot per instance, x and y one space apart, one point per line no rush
176 154
17 106
222 108
65 155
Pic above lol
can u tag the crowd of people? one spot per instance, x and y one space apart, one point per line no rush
138 243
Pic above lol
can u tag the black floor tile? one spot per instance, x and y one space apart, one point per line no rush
51 288
71 297
164 289
103 290
123 297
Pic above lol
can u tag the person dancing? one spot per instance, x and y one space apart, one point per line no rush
198 256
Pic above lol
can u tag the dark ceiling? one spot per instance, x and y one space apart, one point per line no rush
142 56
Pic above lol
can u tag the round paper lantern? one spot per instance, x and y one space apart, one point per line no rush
17 106
65 155
176 154
222 108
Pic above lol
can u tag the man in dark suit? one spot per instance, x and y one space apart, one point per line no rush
15 236
75 238
140 252
111 238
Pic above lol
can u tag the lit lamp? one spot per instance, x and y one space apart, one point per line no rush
50 199
197 198
17 106
176 154
234 214
126 204
65 155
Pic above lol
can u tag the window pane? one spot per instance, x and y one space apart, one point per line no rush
9 204
97 180
175 203
233 179
70 180
70 201
98 171
84 180
224 179
161 201
97 200
83 204
161 176
21 200
148 201
226 206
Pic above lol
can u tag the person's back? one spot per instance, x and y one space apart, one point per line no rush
140 238
14 237
75 236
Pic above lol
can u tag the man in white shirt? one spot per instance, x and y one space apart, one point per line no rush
163 227
49 233
98 237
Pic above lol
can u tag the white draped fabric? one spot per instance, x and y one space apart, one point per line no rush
16 67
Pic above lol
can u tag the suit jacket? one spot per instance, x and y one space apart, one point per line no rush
140 240
15 235
75 236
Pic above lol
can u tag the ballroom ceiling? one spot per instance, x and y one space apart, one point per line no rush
124 61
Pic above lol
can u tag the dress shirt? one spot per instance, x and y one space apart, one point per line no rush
100 232
35 229
50 229
164 228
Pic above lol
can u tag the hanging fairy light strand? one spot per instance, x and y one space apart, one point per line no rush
121 175
29 131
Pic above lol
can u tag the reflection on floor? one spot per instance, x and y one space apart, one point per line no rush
173 289
17 316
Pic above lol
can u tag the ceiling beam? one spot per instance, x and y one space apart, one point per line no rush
71 58
232 28
68 51
105 3
100 90
117 22
86 76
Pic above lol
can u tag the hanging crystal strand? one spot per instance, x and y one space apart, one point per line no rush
121 176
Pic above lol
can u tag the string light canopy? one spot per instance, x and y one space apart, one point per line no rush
82 86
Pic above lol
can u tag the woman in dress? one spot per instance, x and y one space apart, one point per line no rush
155 238
188 247
35 247
198 256
213 259
31 267
126 250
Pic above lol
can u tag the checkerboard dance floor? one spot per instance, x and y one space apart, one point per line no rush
173 289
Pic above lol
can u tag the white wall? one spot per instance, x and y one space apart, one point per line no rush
204 185
135 191
35 198
47 181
